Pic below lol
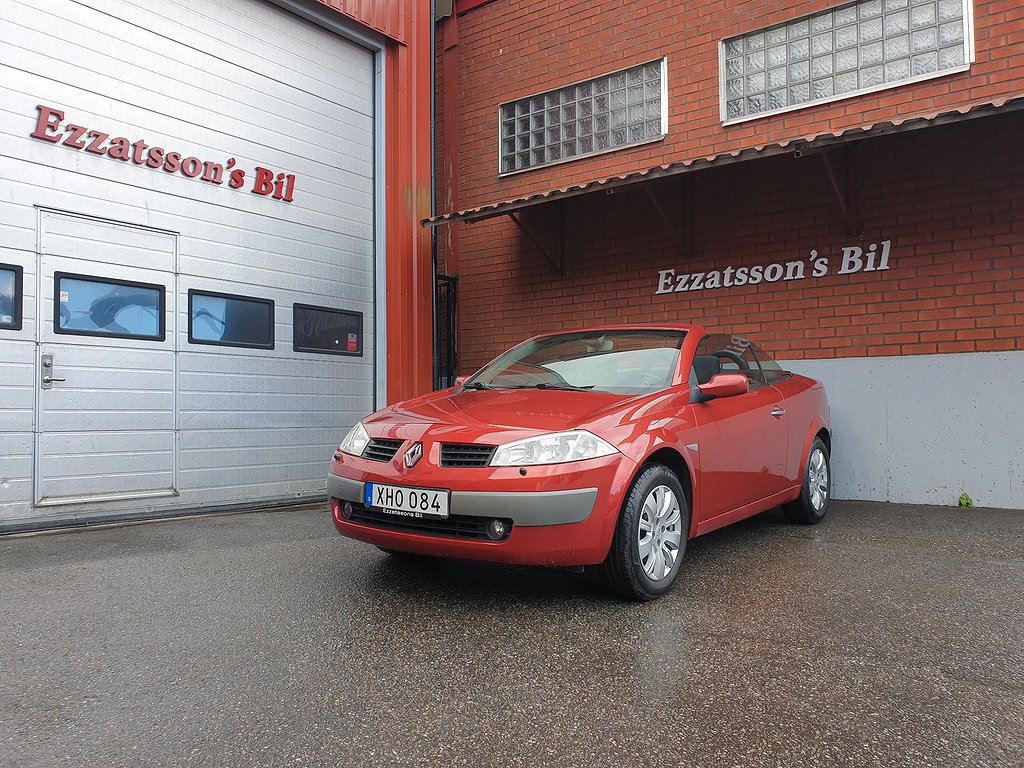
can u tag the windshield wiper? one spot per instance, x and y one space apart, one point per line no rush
545 385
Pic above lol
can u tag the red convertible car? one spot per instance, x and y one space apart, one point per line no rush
606 447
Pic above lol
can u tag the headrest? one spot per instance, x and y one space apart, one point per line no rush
706 366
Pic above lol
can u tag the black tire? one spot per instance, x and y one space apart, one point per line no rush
815 488
625 571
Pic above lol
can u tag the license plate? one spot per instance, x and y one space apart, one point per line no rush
407 502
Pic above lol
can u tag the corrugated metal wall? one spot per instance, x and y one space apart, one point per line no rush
275 92
389 17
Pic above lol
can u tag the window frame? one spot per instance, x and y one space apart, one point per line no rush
18 304
771 375
756 377
161 311
231 297
330 310
662 60
969 59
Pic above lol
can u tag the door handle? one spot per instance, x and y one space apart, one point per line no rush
46 379
778 411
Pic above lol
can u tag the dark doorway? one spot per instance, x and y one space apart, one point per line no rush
444 349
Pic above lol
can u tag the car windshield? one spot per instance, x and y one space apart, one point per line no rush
626 362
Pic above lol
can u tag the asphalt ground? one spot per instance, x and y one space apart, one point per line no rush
887 636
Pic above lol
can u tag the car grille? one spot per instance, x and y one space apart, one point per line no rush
462 455
455 526
381 450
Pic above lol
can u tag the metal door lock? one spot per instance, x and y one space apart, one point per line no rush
46 381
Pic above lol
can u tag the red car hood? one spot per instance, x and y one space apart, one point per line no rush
484 411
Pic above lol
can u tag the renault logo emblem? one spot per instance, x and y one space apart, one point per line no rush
413 455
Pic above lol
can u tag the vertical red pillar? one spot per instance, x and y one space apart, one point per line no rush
410 288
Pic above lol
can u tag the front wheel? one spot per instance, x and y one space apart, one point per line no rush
815 490
650 537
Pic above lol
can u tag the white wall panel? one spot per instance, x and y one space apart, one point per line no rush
248 223
91 40
17 389
104 243
316 202
17 393
142 461
213 79
268 37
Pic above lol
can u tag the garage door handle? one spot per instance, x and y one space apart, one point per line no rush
50 379
777 411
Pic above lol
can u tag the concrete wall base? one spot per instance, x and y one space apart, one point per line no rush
923 429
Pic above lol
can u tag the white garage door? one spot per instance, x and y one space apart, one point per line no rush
221 151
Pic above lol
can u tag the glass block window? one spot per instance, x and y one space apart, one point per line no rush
855 48
602 114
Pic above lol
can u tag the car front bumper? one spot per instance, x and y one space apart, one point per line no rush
529 508
560 514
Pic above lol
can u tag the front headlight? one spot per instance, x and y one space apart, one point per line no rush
355 441
556 448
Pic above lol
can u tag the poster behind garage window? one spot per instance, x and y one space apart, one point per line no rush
321 329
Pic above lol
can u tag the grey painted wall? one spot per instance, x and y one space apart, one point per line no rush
924 428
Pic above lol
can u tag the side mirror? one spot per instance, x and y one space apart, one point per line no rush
725 385
459 381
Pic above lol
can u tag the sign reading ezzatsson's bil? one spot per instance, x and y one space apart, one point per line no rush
51 127
851 260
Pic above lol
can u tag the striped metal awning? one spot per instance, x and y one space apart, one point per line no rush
822 140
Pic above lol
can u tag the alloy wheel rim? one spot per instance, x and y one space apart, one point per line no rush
817 479
659 533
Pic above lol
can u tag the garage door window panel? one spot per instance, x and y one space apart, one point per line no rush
86 305
10 297
327 330
222 319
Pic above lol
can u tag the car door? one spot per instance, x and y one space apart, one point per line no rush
799 414
742 440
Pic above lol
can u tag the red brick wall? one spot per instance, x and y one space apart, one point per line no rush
512 48
950 199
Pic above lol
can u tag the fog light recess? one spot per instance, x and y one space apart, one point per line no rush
498 529
346 510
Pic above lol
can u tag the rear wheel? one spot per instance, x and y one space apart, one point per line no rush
812 504
650 537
